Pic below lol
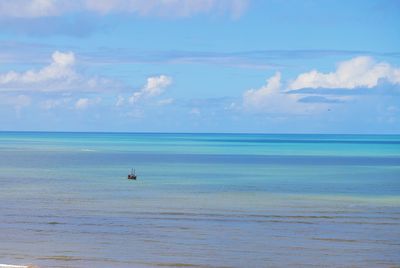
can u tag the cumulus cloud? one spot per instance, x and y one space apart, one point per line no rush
176 8
84 103
358 72
59 75
305 94
258 97
154 87
272 98
269 97
59 68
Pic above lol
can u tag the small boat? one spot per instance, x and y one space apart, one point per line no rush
132 175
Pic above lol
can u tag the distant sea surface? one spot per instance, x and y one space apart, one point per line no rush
201 200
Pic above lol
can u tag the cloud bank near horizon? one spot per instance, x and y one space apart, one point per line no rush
357 73
309 93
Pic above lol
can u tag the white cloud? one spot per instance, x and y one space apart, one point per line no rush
154 87
271 98
357 72
63 59
84 103
169 8
59 75
59 68
259 97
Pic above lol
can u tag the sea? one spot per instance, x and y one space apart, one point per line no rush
200 200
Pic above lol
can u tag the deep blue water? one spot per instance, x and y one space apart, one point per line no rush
201 200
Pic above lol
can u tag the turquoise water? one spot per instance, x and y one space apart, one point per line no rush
201 200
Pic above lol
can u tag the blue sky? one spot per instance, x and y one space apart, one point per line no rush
268 66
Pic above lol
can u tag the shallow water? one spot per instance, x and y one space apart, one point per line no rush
201 200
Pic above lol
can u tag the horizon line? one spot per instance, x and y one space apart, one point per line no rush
212 133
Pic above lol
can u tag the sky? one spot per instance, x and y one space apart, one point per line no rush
245 66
